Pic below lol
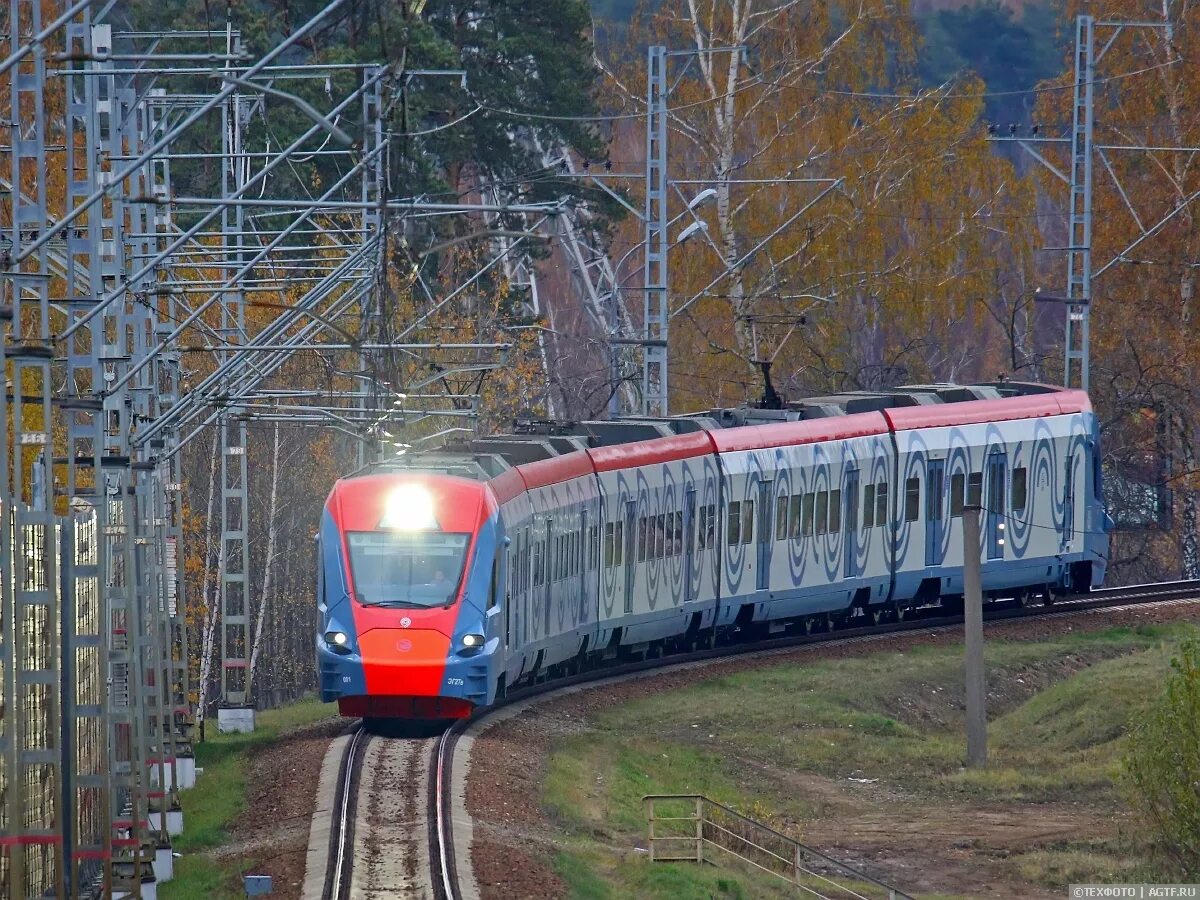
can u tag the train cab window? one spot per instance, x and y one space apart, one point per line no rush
822 523
794 515
912 499
747 521
806 514
641 539
1020 488
608 545
735 522
881 503
781 511
958 483
835 511
975 489
869 506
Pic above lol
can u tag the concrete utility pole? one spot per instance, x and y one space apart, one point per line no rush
973 623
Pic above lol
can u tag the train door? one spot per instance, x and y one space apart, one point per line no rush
935 510
628 559
514 556
1069 502
585 555
850 524
526 582
551 561
765 508
689 545
996 503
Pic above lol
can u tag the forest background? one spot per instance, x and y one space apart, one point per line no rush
923 265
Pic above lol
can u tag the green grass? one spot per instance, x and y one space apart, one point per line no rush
211 807
756 741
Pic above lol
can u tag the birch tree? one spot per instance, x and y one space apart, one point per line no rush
877 282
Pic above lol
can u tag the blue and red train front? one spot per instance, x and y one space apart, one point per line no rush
407 596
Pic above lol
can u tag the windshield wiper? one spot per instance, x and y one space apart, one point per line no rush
397 604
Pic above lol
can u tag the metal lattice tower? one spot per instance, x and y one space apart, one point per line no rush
1079 249
234 564
655 388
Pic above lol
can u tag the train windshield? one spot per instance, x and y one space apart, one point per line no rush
406 568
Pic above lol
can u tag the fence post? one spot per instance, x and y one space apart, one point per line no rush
796 863
648 809
699 828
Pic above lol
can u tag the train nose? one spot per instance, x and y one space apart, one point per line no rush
409 661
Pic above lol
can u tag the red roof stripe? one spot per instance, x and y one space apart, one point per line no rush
507 485
653 452
556 469
977 412
791 434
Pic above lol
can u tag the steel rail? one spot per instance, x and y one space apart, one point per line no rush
1115 598
337 877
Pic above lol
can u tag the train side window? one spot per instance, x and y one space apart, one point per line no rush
806 515
619 544
975 489
747 521
537 563
958 483
1019 488
660 536
710 528
608 545
697 535
881 503
677 537
822 523
594 545
781 511
794 515
869 506
912 499
641 539
835 511
735 522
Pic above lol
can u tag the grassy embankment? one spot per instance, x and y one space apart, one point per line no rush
816 747
212 806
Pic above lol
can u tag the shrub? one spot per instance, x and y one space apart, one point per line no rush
1162 766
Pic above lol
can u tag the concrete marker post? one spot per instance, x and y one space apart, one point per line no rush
973 625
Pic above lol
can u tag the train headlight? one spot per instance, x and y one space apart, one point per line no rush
338 641
472 641
409 508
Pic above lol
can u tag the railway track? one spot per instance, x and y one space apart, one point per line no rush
434 851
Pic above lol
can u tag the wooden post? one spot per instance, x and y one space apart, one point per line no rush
973 624
699 829
649 807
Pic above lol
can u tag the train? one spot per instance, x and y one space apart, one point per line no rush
448 578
